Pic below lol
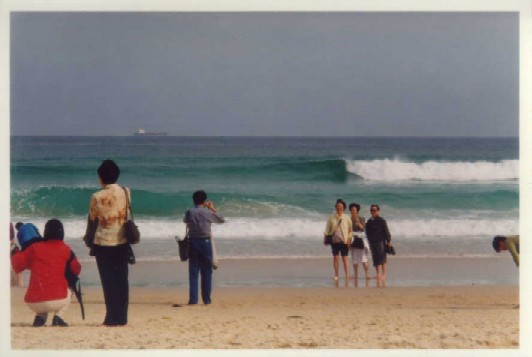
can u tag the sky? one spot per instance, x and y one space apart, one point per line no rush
265 74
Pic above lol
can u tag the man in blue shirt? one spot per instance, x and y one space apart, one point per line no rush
198 220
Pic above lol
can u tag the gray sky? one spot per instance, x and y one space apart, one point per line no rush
331 74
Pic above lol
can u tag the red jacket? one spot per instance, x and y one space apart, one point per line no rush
47 262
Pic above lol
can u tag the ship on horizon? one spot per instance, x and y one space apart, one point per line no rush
143 132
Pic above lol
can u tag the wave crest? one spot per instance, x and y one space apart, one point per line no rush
399 170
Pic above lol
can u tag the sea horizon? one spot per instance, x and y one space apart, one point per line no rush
274 136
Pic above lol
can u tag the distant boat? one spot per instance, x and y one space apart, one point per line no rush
142 132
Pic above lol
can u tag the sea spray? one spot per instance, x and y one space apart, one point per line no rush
395 170
243 228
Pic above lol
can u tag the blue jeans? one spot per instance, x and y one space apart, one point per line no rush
200 261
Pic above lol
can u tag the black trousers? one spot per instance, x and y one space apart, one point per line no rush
113 268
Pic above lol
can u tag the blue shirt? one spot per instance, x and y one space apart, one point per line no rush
199 221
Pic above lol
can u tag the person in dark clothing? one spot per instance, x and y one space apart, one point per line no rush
107 215
200 262
378 237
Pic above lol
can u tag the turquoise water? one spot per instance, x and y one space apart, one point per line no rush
279 191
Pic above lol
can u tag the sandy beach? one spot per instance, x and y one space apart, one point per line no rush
459 317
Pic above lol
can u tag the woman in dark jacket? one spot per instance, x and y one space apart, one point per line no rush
378 237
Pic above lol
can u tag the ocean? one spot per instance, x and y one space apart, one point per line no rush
441 197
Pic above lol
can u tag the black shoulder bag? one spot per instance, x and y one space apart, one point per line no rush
131 229
74 283
184 244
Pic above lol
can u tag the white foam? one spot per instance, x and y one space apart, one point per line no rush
400 170
305 228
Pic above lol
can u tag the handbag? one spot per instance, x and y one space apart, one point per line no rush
357 243
90 232
390 249
74 283
328 238
131 230
184 245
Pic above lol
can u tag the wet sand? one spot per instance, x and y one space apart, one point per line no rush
284 317
318 272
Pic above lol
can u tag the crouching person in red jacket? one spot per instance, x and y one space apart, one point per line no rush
48 290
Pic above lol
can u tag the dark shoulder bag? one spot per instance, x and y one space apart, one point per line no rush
357 243
131 229
74 283
90 232
328 238
184 245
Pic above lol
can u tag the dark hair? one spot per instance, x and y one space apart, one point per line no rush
53 230
199 197
18 225
354 205
376 206
108 171
342 202
496 241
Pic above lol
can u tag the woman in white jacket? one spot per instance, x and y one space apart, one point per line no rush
360 245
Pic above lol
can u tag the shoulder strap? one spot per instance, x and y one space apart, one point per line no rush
72 256
339 224
72 279
128 205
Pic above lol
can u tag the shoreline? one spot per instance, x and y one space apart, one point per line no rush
318 272
477 317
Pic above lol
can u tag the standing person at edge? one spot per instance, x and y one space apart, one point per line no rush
511 244
200 260
108 213
16 278
379 237
339 225
359 255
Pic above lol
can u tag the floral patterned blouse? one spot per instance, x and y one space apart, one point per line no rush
109 207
